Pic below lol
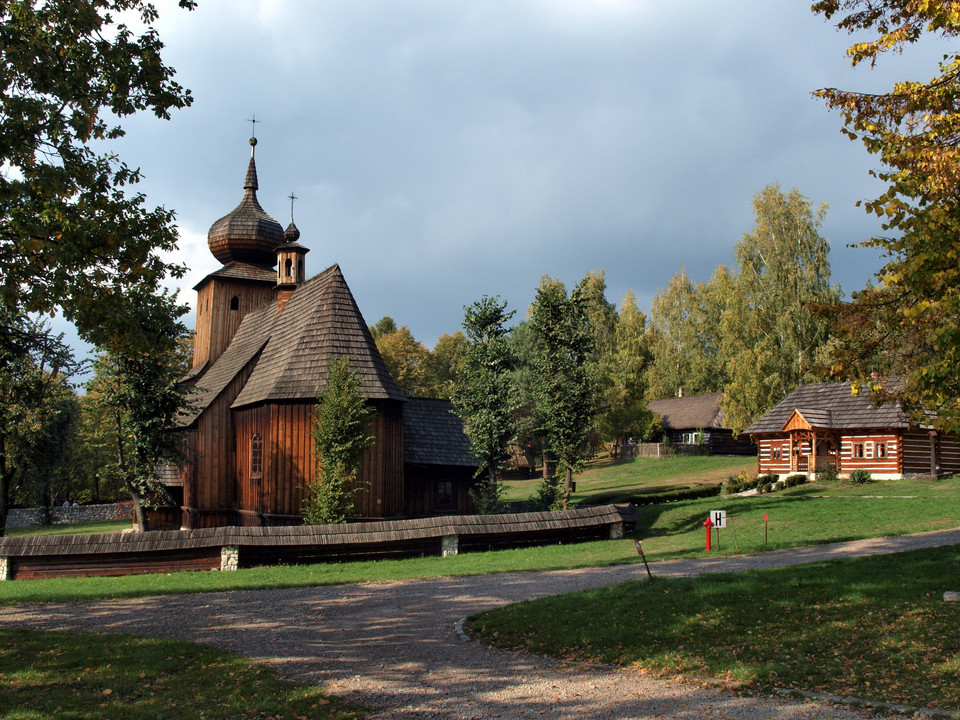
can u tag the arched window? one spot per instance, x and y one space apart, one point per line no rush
288 267
234 303
256 456
300 270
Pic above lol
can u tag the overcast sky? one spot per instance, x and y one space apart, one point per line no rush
445 150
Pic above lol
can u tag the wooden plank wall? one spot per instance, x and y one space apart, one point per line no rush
109 564
722 442
767 463
216 323
209 489
916 453
288 461
949 455
421 485
289 464
382 466
871 460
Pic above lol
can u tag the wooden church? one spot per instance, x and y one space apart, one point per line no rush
265 336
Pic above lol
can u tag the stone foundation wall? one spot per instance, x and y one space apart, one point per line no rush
28 517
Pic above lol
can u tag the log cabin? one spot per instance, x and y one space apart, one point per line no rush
826 425
265 337
696 423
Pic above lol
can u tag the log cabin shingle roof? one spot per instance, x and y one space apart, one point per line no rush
243 271
433 434
291 350
252 335
830 406
691 412
320 322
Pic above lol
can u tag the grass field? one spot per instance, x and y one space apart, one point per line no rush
607 481
104 677
105 526
804 515
872 628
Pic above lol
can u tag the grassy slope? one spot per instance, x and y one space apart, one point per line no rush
764 646
873 628
800 516
105 526
92 677
604 480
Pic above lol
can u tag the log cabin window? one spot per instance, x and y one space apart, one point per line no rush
256 456
776 452
444 494
234 303
858 450
881 449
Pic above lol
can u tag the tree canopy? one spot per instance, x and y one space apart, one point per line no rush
564 379
71 236
341 436
484 397
908 323
773 334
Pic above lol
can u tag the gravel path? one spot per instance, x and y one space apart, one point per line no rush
393 645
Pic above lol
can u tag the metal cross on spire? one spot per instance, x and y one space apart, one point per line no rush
292 198
253 137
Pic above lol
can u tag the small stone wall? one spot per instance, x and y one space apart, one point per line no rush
29 517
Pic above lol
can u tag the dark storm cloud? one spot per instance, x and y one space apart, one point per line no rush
441 151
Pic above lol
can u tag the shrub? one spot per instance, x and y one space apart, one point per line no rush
794 480
860 477
828 474
689 493
549 493
732 485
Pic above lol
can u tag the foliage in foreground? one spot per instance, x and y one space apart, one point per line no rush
907 324
874 628
484 397
341 435
80 677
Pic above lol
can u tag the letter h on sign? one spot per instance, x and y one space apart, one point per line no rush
718 518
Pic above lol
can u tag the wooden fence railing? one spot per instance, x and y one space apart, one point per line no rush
229 548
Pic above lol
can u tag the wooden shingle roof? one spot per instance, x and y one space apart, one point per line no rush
251 336
243 271
692 412
246 234
433 434
831 406
320 322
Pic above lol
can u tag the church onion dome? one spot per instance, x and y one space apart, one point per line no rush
292 233
248 234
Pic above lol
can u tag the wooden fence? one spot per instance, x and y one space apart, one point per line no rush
229 548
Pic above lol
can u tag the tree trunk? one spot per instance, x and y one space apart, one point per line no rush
567 484
139 517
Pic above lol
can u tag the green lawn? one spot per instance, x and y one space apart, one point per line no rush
105 526
804 515
609 481
873 628
100 677
808 627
